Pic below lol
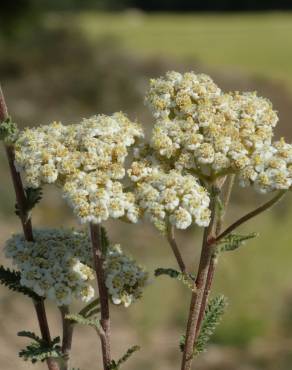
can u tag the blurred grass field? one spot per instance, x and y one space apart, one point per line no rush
105 66
255 43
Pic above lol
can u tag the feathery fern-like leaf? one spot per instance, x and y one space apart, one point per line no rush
79 319
115 365
234 241
186 279
212 318
11 279
32 198
91 309
39 350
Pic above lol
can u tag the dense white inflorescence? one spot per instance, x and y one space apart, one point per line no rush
170 197
56 265
270 168
201 130
86 159
125 279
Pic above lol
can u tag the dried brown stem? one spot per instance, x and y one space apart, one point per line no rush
27 229
95 231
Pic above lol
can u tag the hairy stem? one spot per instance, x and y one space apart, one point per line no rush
174 247
27 229
67 337
251 215
219 222
95 231
199 289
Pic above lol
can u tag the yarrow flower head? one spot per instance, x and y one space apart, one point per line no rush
56 265
170 197
125 279
270 168
86 159
204 131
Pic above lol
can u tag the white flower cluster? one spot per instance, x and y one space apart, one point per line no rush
170 196
55 265
125 279
200 129
270 168
86 159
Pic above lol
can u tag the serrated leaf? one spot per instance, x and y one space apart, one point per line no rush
115 365
8 131
11 279
32 198
212 318
91 309
79 319
234 241
186 279
30 335
39 350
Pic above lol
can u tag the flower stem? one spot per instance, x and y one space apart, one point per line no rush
27 229
174 247
199 290
95 231
67 337
211 271
251 215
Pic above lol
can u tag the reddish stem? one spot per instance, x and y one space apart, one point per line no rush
27 229
95 231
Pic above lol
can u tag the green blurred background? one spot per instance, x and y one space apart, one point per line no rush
65 60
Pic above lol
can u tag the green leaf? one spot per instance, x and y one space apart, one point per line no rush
115 365
91 309
79 319
39 350
186 279
30 335
32 198
234 241
8 131
182 342
104 240
11 279
212 318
